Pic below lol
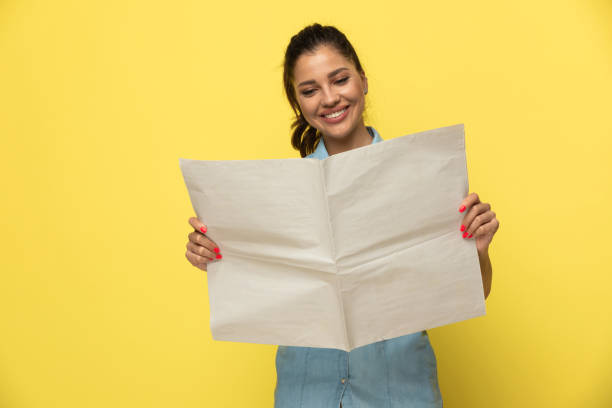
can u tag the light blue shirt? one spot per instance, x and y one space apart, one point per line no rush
399 372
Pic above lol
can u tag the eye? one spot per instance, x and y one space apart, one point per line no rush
343 80
308 92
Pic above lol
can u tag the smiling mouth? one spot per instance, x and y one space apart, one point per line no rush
336 113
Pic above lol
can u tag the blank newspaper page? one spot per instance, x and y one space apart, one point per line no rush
276 282
402 263
342 252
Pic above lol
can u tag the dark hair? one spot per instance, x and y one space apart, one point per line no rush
309 39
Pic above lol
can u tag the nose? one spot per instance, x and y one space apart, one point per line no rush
330 97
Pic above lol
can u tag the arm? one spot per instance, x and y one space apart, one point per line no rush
486 270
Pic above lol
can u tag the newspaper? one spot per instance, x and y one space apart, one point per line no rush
342 252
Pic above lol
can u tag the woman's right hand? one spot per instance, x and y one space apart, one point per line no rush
200 249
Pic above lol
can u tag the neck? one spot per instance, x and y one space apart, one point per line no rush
358 138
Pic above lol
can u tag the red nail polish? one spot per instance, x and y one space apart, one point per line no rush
464 234
216 250
462 208
203 229
463 228
219 256
470 236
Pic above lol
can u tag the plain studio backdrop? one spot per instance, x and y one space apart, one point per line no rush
99 99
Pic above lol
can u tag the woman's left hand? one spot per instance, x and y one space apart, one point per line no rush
479 222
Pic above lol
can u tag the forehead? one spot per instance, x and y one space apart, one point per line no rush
319 63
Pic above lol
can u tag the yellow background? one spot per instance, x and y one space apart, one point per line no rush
99 99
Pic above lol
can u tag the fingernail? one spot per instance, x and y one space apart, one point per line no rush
470 236
462 227
464 234
216 250
203 229
462 208
219 256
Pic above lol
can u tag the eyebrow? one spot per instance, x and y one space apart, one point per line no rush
331 74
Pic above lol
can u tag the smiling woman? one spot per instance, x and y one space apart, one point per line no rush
326 87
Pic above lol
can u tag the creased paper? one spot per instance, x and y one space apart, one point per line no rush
341 252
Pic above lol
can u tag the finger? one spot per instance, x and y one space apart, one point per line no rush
200 239
479 221
196 260
198 225
473 212
469 201
200 250
488 228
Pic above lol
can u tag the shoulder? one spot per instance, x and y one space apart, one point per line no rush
375 135
320 152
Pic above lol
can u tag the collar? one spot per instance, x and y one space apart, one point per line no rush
321 152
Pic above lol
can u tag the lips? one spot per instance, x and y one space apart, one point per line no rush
337 119
333 111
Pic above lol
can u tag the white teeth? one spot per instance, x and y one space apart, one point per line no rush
335 114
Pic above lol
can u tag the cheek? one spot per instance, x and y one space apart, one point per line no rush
355 95
309 108
358 101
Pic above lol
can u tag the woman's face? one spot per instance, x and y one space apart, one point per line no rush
327 83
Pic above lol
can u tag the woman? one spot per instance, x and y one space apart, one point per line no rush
326 86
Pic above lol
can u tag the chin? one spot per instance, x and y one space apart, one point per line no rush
343 127
338 132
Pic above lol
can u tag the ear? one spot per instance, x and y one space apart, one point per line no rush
364 79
